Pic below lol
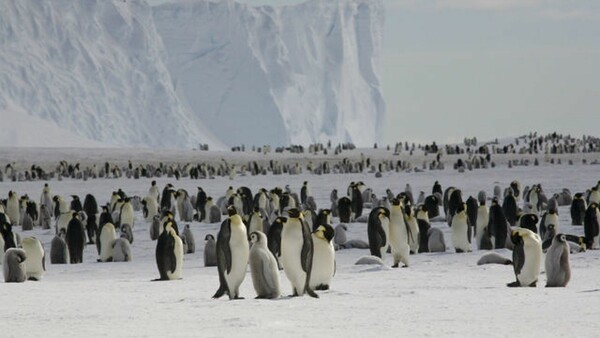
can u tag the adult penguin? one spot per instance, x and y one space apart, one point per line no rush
153 191
76 203
578 207
126 215
169 254
246 196
201 199
378 228
454 203
357 201
529 221
263 268
297 253
90 206
483 218
35 265
549 217
432 204
591 228
516 188
398 235
59 253
437 188
149 208
255 221
509 206
323 217
472 207
304 192
107 235
274 237
345 209
323 258
558 268
446 199
232 255
166 199
497 225
527 257
12 208
75 239
413 228
460 230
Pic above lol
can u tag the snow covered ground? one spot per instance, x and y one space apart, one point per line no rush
440 294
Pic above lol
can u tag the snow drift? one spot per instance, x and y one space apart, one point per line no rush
124 73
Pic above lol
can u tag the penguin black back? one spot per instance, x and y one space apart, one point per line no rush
578 209
344 209
497 225
75 240
375 231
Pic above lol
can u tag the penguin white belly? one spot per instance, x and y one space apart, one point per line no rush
385 224
291 248
180 208
533 200
127 215
178 250
460 233
323 264
152 207
531 269
107 236
256 224
399 241
240 251
595 197
34 266
63 221
1 250
483 218
12 211
553 219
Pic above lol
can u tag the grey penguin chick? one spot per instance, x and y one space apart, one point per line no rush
210 251
59 254
189 239
263 267
558 268
14 265
121 249
340 234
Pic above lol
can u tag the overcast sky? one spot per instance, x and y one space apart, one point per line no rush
486 68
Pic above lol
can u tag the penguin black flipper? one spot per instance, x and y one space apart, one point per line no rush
223 257
518 257
165 255
375 232
306 257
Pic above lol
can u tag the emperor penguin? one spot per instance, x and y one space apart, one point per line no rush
340 234
578 206
529 221
210 251
413 227
497 225
460 227
323 258
378 231
432 204
483 218
59 254
232 255
75 239
155 228
297 253
189 239
274 238
90 206
549 217
12 208
126 215
558 268
263 267
107 235
169 254
149 208
516 188
591 226
509 206
345 210
35 265
121 250
46 197
594 196
153 191
201 199
304 192
535 200
14 265
527 257
255 222
398 235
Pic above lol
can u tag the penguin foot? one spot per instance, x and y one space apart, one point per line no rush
35 279
405 266
322 287
459 251
513 284
395 265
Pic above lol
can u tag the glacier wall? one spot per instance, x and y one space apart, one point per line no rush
277 75
123 73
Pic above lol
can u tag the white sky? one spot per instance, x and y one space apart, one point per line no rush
487 68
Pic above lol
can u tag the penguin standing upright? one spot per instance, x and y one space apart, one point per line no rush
149 208
189 239
90 206
210 251
263 267
509 207
591 226
497 225
578 207
323 258
483 218
297 253
169 254
121 250
201 199
344 205
413 229
14 265
75 239
12 208
304 192
274 238
558 268
232 255
153 191
378 228
107 235
527 257
35 265
59 253
460 231
126 215
398 235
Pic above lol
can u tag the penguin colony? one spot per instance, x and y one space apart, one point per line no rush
278 229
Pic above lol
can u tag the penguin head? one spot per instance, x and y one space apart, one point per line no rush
257 237
396 201
560 238
209 237
294 213
231 210
325 232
